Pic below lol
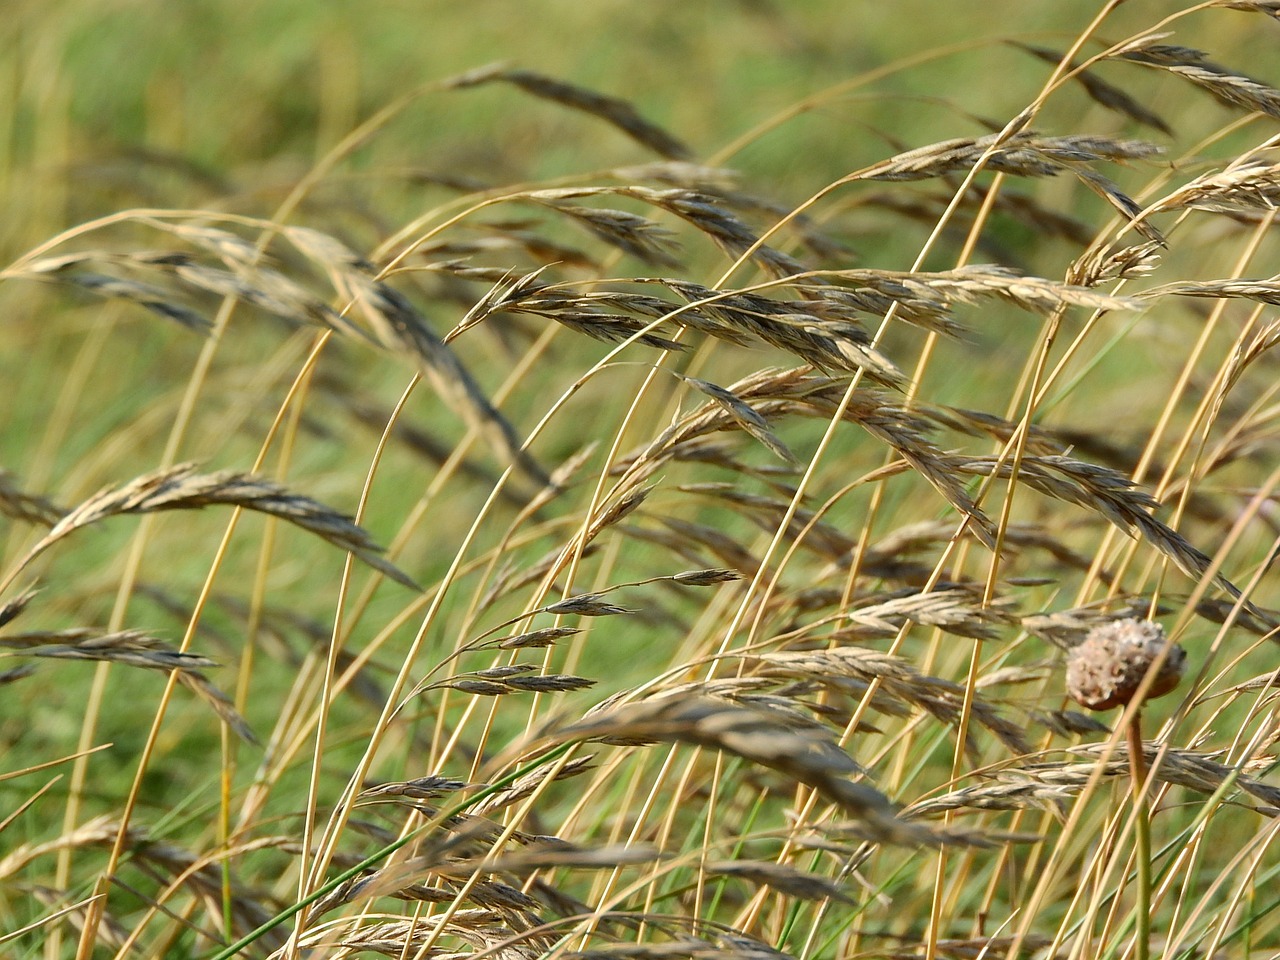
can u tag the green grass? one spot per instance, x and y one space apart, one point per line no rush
769 795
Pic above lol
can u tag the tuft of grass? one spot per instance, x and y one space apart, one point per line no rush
749 507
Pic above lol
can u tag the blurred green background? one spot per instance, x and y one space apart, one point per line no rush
168 103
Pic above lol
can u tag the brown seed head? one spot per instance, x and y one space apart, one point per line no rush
1107 668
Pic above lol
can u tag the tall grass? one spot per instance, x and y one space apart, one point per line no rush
665 556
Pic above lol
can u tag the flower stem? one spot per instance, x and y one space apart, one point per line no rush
1142 833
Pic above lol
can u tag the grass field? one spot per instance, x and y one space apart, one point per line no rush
639 480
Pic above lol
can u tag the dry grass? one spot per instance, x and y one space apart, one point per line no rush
735 575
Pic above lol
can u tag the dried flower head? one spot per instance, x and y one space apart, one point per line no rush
1106 669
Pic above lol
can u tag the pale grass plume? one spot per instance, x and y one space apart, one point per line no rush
183 488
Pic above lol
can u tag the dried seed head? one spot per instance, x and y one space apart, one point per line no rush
1106 669
705 578
538 638
585 605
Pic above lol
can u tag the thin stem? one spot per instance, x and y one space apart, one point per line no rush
1142 833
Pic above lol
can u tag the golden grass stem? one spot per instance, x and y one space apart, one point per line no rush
1142 836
